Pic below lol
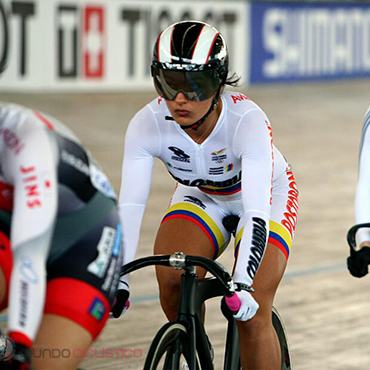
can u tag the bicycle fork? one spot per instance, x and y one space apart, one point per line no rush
190 314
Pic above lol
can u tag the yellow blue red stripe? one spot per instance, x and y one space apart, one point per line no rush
221 191
229 167
238 239
278 236
196 215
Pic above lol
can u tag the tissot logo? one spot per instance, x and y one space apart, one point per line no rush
81 43
179 154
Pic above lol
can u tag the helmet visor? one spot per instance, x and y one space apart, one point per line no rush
196 85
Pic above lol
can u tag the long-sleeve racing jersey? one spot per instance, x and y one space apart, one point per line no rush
45 172
236 162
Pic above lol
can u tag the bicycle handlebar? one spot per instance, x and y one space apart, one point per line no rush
351 236
180 261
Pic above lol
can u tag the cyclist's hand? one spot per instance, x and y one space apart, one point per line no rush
246 307
358 265
121 302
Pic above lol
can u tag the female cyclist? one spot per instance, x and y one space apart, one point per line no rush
60 241
218 146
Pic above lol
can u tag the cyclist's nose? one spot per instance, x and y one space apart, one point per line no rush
180 97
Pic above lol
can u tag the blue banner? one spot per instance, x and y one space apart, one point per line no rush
293 41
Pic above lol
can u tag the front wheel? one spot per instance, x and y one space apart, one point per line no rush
168 350
277 322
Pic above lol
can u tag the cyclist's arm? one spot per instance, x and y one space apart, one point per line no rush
32 171
362 198
253 142
141 145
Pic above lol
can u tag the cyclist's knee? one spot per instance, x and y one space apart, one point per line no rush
257 324
169 285
169 293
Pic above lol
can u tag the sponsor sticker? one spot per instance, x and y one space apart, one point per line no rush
106 247
179 155
195 200
97 309
219 156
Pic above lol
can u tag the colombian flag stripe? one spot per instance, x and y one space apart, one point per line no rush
238 239
279 242
194 214
278 236
221 191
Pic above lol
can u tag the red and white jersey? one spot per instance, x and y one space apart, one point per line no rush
236 164
44 172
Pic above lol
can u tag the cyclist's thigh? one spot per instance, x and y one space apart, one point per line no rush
68 347
83 280
192 225
193 217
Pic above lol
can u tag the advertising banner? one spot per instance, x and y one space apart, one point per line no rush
300 41
106 45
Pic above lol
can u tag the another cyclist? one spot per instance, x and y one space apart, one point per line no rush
60 241
358 263
218 146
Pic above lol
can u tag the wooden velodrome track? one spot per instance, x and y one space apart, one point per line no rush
317 126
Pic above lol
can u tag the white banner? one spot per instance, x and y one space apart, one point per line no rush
106 45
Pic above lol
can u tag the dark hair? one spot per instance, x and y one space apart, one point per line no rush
233 80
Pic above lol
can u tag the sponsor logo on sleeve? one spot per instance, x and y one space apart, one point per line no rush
291 214
11 140
259 237
31 186
106 244
239 98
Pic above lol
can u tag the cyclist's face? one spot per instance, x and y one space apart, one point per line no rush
185 111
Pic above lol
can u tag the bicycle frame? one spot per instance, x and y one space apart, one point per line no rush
194 293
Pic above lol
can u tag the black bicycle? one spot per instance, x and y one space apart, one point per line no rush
185 339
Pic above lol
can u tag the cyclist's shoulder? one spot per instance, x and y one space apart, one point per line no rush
150 110
238 103
243 113
24 120
147 120
13 116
